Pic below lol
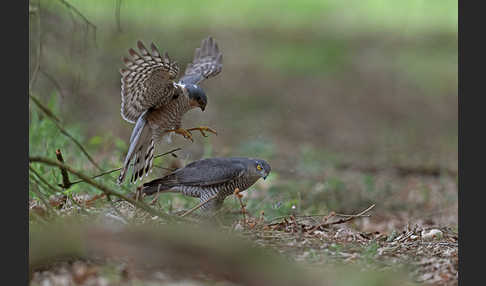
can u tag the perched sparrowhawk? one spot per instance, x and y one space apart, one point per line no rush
153 100
211 177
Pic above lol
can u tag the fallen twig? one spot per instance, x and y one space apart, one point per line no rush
198 206
285 223
93 199
325 224
316 215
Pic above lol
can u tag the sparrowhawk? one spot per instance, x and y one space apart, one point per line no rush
211 177
155 101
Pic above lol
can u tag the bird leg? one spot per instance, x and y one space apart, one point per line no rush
202 129
183 132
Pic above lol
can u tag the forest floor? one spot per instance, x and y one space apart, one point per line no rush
373 245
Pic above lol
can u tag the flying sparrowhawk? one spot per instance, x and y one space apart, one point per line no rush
155 101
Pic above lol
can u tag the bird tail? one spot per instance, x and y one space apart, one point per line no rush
157 185
140 152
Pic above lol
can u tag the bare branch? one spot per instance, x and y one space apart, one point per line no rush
41 196
76 11
54 81
51 115
99 186
44 109
44 181
118 169
39 47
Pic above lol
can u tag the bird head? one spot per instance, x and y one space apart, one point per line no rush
197 96
262 168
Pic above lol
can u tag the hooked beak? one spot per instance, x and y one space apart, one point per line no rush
265 177
203 107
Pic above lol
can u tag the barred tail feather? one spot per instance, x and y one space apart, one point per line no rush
143 160
140 153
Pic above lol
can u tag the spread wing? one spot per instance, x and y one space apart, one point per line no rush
205 172
147 81
207 62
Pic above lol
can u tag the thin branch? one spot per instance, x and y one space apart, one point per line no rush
199 205
63 131
37 65
165 168
43 199
361 214
44 181
99 186
44 109
317 215
76 11
325 219
118 169
54 82
93 199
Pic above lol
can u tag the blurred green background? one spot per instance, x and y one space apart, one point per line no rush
333 94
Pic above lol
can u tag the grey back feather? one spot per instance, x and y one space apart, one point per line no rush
205 172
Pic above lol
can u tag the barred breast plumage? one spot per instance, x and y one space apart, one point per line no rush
168 117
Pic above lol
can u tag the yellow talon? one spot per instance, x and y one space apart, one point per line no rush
186 133
202 129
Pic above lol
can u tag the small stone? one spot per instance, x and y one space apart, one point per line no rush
238 227
432 234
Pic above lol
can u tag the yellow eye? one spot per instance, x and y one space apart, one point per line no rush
259 167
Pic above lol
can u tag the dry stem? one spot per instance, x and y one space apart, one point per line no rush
63 131
198 206
65 177
118 169
99 186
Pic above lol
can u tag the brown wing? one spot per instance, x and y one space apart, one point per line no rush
207 62
147 81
